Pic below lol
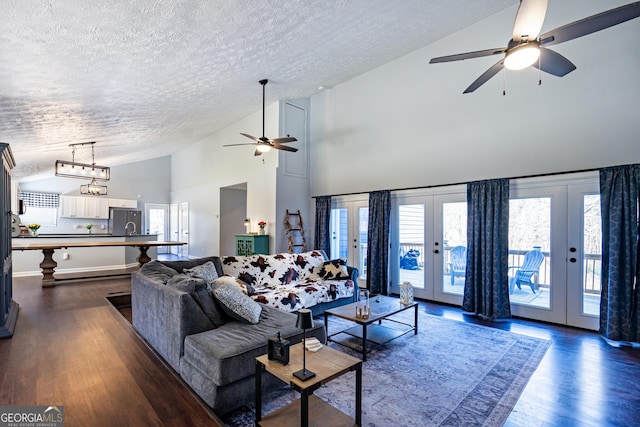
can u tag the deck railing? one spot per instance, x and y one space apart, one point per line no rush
591 268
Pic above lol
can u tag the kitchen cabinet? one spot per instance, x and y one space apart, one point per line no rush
83 207
249 244
123 203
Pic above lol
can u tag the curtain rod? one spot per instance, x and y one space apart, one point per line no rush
461 183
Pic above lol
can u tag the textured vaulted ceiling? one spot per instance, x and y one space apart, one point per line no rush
144 77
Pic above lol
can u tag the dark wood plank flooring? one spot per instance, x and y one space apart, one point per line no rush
72 348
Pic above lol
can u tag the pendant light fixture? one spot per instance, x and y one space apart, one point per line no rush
74 169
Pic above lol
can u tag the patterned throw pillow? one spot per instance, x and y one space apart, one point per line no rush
206 271
236 304
336 269
246 288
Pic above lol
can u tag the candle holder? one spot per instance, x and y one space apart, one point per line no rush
363 309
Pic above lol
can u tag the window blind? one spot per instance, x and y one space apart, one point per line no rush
40 200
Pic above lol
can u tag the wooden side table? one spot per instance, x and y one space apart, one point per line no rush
309 410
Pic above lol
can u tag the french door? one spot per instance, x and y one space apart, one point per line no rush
349 228
424 230
561 219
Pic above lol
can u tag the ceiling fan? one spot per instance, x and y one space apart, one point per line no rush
264 144
527 48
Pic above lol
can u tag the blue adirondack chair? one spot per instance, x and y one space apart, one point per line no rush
458 264
525 272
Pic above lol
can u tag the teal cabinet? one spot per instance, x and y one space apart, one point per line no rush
249 244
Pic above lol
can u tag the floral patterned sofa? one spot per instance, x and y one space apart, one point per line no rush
290 282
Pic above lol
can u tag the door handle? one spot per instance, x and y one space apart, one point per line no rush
436 251
572 259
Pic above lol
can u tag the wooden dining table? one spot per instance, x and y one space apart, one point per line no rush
48 264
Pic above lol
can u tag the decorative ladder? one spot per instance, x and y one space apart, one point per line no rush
295 232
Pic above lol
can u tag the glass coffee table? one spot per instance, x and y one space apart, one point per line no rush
371 331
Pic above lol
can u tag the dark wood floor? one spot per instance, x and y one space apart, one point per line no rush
72 348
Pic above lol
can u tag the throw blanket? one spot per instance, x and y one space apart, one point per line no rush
288 282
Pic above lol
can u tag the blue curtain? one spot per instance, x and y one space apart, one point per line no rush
486 289
322 236
620 278
378 242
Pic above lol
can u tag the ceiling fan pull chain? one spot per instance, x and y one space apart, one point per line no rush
539 70
504 81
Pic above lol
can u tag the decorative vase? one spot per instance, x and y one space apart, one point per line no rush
262 231
34 233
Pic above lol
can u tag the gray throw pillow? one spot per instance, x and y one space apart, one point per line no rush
182 283
206 271
200 293
236 304
158 271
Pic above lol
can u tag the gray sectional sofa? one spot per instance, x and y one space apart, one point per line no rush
204 343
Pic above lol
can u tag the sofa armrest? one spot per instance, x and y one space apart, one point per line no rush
164 316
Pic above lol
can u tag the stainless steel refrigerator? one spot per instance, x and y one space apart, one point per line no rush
125 222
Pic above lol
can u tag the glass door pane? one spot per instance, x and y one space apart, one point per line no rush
348 229
529 251
411 244
454 245
339 233
592 255
363 231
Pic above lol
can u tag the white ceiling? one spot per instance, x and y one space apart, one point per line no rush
144 77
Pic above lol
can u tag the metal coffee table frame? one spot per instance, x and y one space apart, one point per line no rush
371 331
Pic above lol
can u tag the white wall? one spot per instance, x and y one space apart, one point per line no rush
408 124
201 169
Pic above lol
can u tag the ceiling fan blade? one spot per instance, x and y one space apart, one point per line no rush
495 68
284 147
591 24
282 140
251 137
529 19
468 55
235 145
553 63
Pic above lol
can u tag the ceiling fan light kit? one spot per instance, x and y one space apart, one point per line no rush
521 56
264 144
527 47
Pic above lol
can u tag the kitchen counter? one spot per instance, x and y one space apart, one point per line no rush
116 253
48 248
83 235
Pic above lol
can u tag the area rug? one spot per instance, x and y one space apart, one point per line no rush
450 374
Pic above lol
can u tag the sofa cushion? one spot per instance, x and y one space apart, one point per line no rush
227 354
158 271
335 269
206 271
236 304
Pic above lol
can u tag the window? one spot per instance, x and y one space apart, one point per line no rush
41 208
